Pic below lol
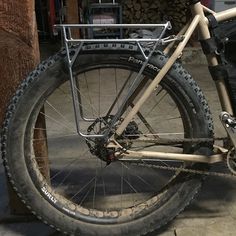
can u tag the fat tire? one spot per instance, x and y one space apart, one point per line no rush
47 75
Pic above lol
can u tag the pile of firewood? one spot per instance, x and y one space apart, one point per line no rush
155 11
142 11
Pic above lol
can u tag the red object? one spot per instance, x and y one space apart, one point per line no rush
52 14
206 2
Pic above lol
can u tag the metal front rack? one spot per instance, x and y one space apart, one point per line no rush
69 40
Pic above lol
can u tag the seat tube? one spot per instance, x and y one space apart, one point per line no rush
204 33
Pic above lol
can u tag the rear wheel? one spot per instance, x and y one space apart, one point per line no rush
80 192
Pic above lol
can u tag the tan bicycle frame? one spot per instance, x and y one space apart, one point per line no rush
200 21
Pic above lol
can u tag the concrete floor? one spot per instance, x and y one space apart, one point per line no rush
212 213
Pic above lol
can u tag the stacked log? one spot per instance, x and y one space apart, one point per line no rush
142 11
149 11
178 13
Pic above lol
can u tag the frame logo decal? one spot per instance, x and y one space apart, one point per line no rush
49 195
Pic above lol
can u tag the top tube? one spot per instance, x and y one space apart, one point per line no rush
225 15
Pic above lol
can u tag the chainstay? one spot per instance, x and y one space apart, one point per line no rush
180 169
174 141
179 141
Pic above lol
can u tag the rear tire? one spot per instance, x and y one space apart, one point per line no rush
56 207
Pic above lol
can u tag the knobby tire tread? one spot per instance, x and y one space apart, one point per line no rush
177 69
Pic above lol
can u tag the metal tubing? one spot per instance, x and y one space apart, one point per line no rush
206 9
170 45
76 94
168 25
141 155
212 59
203 29
76 107
74 91
225 15
136 81
115 40
224 96
159 76
74 57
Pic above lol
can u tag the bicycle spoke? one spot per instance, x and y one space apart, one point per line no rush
73 162
139 177
58 122
94 189
126 181
100 186
87 184
59 113
118 94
